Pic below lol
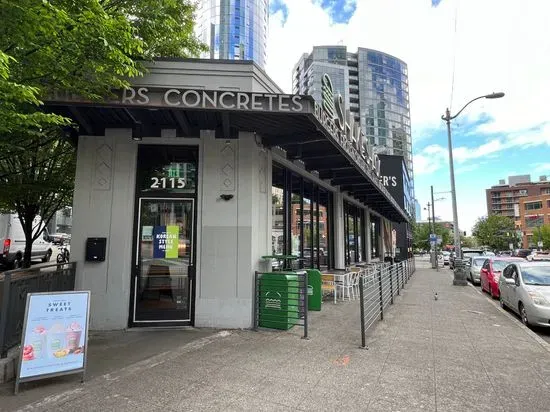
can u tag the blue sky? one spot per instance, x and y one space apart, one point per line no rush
455 50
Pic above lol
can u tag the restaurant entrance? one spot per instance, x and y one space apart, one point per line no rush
164 251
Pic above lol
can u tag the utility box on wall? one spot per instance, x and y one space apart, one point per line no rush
95 249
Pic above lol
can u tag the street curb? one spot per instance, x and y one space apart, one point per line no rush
525 329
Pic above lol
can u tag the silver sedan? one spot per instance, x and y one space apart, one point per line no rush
476 263
525 288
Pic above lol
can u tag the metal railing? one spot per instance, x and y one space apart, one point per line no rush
378 285
14 287
281 300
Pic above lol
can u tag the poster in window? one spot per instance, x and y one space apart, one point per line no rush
165 242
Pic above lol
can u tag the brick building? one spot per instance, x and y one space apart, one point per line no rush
502 198
524 201
534 212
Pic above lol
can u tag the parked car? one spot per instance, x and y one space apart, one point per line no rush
12 240
476 263
467 253
504 253
446 257
525 288
523 253
491 271
538 256
60 238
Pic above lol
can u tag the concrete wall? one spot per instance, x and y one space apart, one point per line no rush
234 233
209 75
231 235
103 197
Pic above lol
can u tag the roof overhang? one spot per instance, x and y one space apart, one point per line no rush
293 123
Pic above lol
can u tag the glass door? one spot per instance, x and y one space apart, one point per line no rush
164 260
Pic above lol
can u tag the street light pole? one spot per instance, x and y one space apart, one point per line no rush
456 233
433 218
447 118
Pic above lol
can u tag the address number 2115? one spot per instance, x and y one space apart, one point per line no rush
167 183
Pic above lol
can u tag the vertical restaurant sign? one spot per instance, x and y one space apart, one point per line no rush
55 334
165 242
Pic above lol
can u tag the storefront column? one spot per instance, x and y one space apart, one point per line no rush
102 207
339 235
383 240
233 231
367 234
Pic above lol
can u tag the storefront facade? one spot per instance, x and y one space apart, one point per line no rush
395 177
195 173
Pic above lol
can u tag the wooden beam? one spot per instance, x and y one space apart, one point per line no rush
181 120
81 120
283 141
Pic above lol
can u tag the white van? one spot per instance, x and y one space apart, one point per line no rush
12 242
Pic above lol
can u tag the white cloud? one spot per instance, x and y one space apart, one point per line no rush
500 45
433 157
541 168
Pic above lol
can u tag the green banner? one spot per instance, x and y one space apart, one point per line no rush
172 241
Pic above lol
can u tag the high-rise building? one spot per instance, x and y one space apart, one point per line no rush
417 210
374 87
234 29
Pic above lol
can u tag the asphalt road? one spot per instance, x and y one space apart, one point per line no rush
544 333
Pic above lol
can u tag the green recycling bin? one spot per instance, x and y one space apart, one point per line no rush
279 299
314 294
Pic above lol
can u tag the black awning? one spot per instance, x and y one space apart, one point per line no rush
300 135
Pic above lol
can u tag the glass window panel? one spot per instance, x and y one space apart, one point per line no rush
295 215
277 211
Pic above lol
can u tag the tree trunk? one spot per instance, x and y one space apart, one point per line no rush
28 251
27 223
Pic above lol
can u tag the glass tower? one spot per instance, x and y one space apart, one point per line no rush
374 87
234 29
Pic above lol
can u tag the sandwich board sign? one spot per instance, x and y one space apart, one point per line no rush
55 336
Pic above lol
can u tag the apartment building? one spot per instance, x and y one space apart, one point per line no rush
534 211
504 199
374 87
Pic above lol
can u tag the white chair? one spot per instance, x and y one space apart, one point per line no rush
347 286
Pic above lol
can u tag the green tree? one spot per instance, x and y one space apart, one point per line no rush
89 48
542 233
422 232
469 241
38 183
495 231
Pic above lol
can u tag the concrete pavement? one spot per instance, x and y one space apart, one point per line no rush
459 353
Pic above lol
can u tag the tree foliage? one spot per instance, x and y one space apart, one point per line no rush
85 47
469 241
422 235
542 233
495 231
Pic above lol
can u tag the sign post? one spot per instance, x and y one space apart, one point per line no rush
433 254
55 336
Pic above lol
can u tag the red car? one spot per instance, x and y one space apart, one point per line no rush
490 273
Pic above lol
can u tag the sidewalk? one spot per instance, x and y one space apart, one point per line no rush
459 353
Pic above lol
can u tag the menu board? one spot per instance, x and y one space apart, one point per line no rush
55 335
